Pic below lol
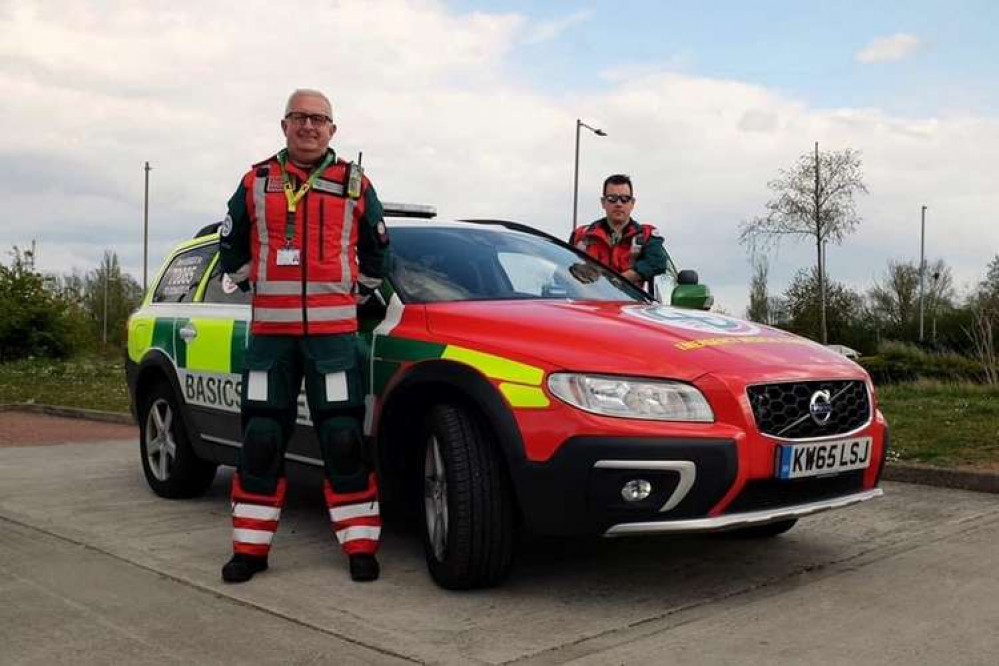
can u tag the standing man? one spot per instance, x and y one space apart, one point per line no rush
632 249
305 232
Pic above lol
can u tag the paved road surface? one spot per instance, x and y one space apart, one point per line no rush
95 569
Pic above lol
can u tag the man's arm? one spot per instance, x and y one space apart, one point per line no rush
234 240
653 260
372 243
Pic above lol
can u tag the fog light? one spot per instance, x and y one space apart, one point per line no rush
636 490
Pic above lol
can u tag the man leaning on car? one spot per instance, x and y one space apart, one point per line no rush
632 249
305 231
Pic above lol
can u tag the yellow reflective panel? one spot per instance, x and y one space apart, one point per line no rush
524 396
140 336
209 350
495 367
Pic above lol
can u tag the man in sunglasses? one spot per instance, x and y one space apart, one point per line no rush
632 249
305 231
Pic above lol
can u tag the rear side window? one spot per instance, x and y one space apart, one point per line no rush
220 289
181 278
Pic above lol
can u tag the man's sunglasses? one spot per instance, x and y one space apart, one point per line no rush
614 198
317 119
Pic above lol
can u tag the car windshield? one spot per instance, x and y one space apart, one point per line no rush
439 264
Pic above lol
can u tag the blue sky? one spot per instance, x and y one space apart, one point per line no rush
803 49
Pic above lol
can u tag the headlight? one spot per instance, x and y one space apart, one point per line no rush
632 398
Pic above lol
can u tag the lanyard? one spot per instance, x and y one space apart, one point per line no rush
293 196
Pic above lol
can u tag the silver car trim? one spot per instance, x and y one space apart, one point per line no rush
737 520
686 469
290 456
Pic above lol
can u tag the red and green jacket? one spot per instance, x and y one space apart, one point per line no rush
339 242
638 247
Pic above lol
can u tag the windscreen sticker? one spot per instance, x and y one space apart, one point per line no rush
692 320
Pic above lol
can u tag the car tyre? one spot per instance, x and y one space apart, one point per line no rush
468 526
171 466
765 531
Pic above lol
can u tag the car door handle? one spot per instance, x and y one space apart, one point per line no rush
188 332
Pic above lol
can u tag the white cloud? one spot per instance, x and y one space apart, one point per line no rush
544 31
888 49
425 94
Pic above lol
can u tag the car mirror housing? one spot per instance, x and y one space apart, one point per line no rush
692 297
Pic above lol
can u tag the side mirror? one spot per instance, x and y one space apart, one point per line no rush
686 276
689 294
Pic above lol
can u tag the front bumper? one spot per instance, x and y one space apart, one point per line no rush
694 482
739 520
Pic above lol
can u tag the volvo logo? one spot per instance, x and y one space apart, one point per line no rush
820 407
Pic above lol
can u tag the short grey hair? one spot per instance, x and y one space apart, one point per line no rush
306 92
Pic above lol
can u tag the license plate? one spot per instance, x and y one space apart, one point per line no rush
795 461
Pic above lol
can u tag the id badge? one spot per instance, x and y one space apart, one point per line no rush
288 256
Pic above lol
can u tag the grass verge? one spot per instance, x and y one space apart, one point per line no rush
90 383
943 424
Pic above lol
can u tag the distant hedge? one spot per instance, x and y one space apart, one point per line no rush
899 362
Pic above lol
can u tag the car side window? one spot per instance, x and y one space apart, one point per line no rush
181 278
221 289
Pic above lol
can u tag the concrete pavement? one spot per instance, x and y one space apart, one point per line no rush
859 585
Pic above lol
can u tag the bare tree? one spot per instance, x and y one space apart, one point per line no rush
981 334
814 199
759 299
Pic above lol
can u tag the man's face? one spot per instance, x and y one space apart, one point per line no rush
308 136
618 212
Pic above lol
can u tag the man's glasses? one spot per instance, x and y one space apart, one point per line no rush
317 119
623 198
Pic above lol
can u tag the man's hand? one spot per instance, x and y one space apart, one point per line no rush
634 277
584 273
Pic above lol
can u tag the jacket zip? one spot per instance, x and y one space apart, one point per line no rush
305 262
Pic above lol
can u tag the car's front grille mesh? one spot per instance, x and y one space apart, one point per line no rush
782 410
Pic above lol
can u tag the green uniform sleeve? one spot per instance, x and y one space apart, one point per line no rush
372 237
234 236
653 260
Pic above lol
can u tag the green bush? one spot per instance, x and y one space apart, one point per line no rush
899 362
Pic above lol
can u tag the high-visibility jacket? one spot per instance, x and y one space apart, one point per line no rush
639 247
337 240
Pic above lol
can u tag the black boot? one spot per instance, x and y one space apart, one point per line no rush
242 567
363 567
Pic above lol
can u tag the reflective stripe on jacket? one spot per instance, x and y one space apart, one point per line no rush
317 295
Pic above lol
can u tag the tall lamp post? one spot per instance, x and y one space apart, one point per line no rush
922 269
575 176
145 232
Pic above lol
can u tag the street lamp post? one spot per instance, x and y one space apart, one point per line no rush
145 232
922 269
575 176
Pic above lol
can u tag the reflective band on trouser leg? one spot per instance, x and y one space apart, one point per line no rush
355 517
255 518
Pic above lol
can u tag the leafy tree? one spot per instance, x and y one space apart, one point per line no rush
813 199
894 299
34 320
845 309
108 297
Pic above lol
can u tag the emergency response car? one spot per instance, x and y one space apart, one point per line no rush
514 383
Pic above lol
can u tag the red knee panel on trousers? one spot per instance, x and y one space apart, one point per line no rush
255 518
356 520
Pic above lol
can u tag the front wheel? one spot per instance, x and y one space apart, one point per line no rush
468 506
171 466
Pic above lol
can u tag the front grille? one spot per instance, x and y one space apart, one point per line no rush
777 494
782 410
